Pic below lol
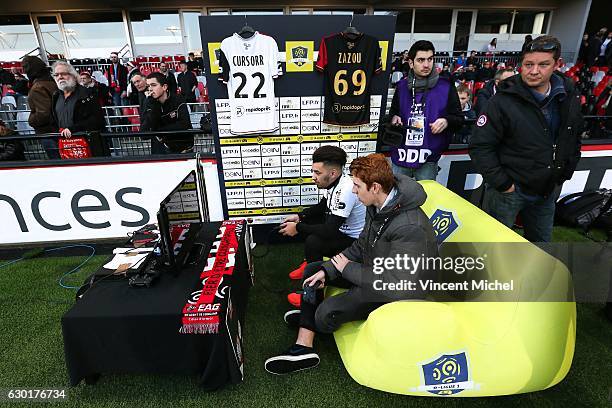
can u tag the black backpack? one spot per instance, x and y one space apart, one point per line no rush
586 209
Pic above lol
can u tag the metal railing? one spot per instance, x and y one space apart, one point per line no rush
114 145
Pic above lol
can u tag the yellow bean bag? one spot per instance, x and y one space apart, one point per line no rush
470 349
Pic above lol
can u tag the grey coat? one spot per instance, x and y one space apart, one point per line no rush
400 228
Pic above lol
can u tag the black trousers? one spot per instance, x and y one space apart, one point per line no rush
326 315
316 246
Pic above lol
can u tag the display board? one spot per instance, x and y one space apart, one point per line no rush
266 176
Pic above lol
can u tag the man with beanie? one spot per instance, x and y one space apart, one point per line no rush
39 99
428 107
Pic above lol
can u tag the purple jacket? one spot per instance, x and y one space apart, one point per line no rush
441 101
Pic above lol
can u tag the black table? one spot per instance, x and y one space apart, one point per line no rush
115 328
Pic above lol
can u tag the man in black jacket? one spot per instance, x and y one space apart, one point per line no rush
527 141
166 112
187 83
73 108
395 228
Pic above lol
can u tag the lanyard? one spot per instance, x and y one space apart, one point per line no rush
423 97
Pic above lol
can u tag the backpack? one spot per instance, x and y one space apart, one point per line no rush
586 209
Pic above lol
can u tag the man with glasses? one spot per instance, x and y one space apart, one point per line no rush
74 108
526 143
117 75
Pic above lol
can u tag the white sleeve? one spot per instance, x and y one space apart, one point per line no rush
342 201
276 68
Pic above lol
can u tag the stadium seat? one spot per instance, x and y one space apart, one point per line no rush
179 58
470 349
140 59
153 59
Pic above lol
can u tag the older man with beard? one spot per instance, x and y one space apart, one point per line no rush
74 109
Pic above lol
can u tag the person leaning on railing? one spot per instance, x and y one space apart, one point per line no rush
74 109
166 112
9 150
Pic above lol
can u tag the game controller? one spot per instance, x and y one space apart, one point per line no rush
310 293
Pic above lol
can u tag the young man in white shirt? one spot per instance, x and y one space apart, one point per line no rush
336 221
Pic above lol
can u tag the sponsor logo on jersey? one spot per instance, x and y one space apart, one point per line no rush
482 120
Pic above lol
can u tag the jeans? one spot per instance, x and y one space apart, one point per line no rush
537 213
327 315
118 100
428 171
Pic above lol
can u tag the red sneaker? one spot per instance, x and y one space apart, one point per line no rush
298 273
295 299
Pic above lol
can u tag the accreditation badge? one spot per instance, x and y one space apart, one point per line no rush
416 130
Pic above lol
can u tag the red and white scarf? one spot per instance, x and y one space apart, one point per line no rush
202 312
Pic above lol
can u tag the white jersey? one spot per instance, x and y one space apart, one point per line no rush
248 67
342 202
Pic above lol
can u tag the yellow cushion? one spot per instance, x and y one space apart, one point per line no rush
466 349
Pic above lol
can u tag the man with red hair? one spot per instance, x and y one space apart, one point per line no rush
395 228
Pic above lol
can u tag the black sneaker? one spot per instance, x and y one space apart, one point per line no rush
297 358
292 318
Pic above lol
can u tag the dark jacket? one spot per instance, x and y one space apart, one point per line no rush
511 142
11 150
400 228
87 114
172 115
483 95
40 95
186 81
172 85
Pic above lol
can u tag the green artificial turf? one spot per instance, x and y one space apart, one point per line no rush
31 351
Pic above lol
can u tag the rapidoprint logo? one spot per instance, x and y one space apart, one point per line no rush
241 110
337 108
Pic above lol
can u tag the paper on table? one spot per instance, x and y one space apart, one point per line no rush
127 251
133 260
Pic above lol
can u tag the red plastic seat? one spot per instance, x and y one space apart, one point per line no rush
167 58
179 58
154 59
140 59
594 69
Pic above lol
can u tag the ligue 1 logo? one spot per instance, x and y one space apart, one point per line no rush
444 224
446 375
299 55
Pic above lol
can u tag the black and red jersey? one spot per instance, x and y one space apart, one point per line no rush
349 63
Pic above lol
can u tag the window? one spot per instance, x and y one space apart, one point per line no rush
94 35
157 33
339 12
51 35
493 21
161 27
403 22
16 37
256 12
530 22
191 19
432 21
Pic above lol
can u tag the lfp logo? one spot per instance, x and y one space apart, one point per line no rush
447 375
444 224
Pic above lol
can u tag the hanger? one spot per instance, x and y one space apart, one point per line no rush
247 31
351 31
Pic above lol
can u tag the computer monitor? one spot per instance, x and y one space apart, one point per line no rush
179 219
